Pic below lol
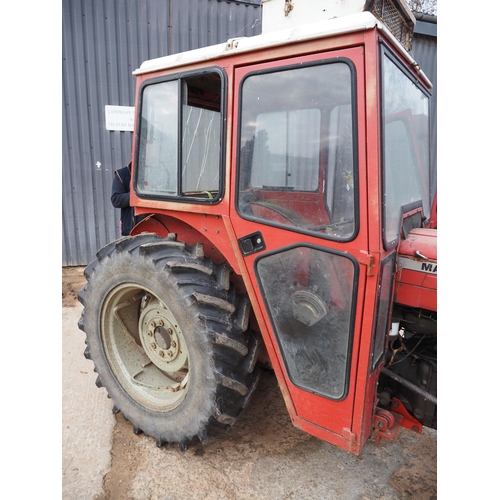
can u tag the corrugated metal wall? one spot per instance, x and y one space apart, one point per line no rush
103 42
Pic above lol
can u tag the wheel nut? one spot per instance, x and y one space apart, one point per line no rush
173 344
161 354
160 323
170 354
170 331
150 333
153 345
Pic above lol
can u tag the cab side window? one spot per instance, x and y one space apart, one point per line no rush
180 139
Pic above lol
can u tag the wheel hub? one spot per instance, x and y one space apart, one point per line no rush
145 347
162 339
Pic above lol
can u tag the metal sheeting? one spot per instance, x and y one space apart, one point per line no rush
102 43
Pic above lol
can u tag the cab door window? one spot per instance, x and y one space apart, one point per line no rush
297 159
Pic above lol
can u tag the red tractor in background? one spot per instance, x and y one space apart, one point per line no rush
284 180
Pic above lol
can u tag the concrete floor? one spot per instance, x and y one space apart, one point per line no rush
87 419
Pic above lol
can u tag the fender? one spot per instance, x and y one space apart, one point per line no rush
150 225
162 225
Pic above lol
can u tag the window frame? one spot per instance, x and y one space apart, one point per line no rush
383 312
278 334
385 52
300 64
180 78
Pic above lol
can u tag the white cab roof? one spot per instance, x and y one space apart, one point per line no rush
347 24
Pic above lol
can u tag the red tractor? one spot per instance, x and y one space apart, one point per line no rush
288 223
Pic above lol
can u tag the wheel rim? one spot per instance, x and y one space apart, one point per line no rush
145 347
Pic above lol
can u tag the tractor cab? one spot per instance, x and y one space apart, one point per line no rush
285 171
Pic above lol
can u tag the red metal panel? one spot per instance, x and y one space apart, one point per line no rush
420 279
421 240
416 281
416 296
370 187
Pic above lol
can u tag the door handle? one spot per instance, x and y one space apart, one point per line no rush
251 244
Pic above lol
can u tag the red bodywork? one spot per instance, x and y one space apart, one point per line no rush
346 423
416 281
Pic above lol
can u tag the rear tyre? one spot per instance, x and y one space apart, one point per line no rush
168 337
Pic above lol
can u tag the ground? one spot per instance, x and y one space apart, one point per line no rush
73 281
262 457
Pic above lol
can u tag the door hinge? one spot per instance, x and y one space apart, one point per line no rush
369 261
369 267
232 43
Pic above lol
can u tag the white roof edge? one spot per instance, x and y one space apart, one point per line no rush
346 24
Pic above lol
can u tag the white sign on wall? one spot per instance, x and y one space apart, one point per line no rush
120 118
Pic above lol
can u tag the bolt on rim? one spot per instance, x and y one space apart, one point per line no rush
145 347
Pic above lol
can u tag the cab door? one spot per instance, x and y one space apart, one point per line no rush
299 216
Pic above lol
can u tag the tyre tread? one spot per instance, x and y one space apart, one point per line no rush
222 313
